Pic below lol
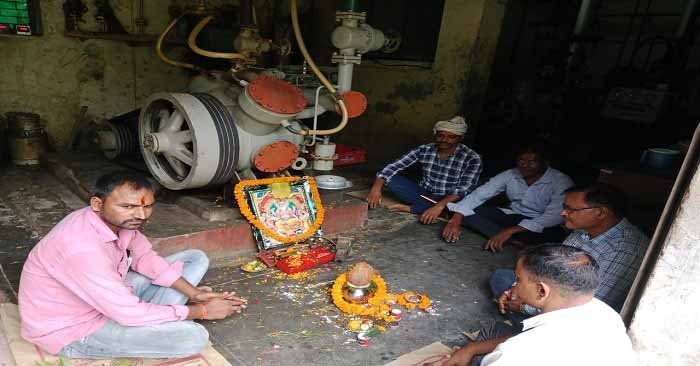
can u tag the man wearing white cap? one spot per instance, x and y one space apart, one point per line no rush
450 170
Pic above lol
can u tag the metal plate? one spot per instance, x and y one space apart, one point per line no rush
332 182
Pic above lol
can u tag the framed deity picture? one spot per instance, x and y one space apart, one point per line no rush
285 209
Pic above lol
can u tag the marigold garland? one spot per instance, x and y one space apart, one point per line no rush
378 304
423 305
245 209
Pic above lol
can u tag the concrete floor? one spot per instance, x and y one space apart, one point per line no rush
292 321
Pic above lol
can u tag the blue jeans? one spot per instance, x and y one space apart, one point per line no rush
490 220
409 193
166 340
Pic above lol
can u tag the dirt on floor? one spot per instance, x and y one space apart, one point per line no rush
291 319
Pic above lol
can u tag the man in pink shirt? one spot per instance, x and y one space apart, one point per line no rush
94 288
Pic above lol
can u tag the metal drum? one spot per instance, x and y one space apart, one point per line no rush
25 137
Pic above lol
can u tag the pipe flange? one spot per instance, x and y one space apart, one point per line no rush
276 157
276 95
350 15
299 164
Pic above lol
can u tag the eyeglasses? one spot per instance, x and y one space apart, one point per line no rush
572 210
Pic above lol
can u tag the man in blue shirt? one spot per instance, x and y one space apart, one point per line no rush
536 194
450 171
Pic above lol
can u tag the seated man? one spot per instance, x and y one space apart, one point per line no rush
574 329
78 297
597 216
536 194
450 171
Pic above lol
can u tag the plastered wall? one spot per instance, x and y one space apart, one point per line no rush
405 102
54 75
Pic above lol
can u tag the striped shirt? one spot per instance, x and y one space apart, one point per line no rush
457 174
619 253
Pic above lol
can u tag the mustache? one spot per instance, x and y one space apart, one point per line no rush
135 221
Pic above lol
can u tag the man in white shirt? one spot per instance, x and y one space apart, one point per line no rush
574 328
536 194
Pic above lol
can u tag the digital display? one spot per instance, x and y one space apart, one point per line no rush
14 17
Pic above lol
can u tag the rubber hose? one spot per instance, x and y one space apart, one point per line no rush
159 44
319 75
192 42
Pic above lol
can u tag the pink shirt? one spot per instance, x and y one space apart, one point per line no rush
73 282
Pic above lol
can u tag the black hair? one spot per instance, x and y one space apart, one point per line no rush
538 148
571 270
108 182
601 194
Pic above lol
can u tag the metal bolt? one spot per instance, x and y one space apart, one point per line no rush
150 142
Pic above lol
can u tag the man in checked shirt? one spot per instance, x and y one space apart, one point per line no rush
596 214
450 171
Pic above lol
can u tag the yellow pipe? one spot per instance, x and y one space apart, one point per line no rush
192 42
160 53
319 74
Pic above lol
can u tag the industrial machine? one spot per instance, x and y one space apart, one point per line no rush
248 121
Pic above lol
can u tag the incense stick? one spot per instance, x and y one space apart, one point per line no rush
427 198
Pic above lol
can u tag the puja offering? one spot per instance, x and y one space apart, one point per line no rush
254 266
281 210
284 211
303 261
362 339
359 279
355 325
296 258
358 325
412 300
362 291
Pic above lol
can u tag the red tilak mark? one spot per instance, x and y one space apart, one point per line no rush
143 201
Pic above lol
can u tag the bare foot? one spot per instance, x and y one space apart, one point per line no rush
399 207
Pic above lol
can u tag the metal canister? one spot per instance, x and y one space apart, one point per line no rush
25 137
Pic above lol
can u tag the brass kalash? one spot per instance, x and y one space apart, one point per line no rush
357 288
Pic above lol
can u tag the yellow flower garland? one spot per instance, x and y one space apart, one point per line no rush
245 210
423 305
377 305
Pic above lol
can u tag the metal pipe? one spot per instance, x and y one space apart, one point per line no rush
688 17
316 100
628 34
635 15
584 16
673 204
345 77
140 21
319 74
